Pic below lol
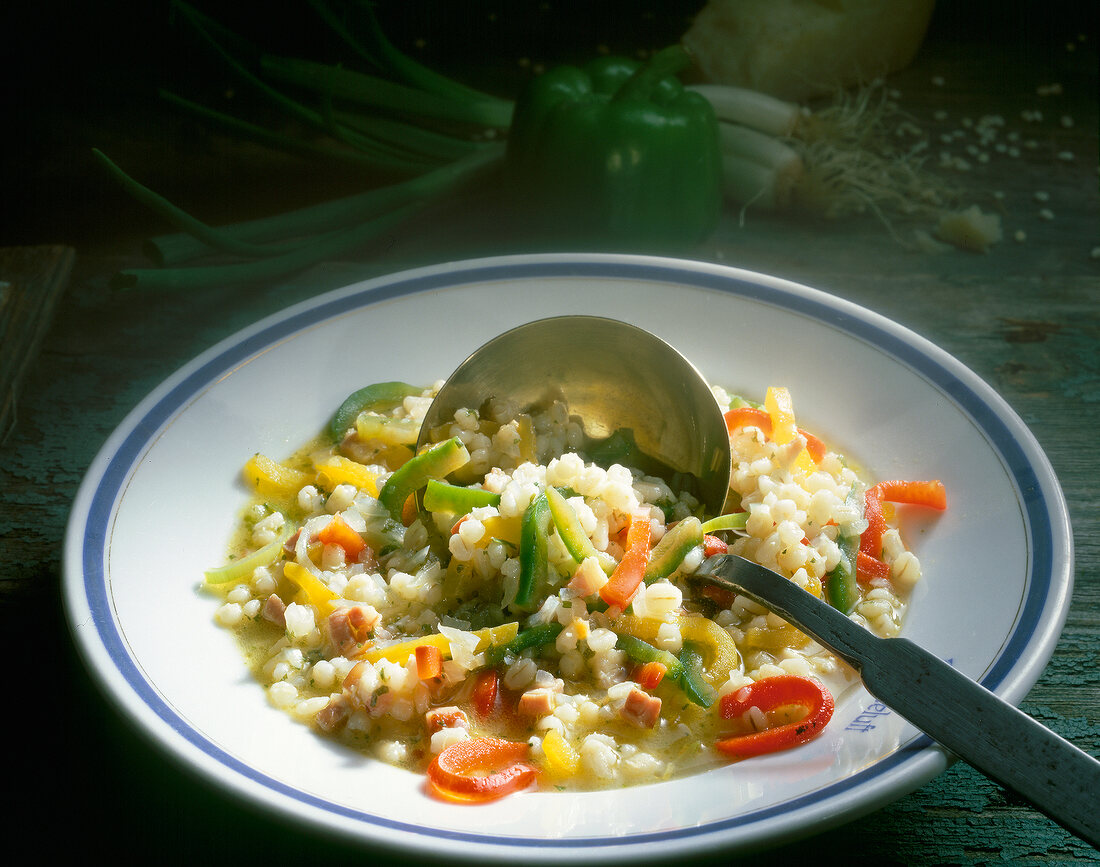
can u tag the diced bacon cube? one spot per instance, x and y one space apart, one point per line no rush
290 544
588 578
446 718
334 714
274 611
350 627
536 702
641 709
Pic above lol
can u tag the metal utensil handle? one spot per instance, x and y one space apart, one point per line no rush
989 733
981 728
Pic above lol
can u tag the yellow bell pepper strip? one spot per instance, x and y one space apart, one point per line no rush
780 407
720 654
773 693
561 759
669 553
931 494
372 398
273 480
456 499
242 569
527 451
400 651
391 431
481 769
629 574
338 470
436 463
311 590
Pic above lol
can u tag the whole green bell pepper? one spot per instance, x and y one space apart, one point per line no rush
619 151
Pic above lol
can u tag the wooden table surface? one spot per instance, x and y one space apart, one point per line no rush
1023 316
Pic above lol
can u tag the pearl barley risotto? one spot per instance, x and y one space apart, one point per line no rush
502 612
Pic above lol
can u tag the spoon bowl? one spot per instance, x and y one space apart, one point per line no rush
634 394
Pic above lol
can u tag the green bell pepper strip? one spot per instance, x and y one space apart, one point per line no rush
533 538
456 499
572 533
618 150
436 463
731 521
839 585
536 636
642 652
669 553
568 525
377 397
841 590
692 680
685 671
241 570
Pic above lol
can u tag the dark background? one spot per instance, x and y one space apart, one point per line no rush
77 75
83 75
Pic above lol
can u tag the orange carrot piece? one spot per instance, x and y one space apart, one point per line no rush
624 581
429 661
481 769
337 532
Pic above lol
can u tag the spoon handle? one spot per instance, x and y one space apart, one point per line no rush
984 730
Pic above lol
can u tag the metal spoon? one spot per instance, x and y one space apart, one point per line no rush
984 730
625 384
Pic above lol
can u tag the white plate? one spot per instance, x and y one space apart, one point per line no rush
159 502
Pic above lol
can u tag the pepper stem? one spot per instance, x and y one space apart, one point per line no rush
666 62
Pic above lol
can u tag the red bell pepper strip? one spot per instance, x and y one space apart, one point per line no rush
713 545
484 697
743 416
770 694
931 494
649 674
481 769
628 575
814 446
868 568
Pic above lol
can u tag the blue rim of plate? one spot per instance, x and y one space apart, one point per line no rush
1044 606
